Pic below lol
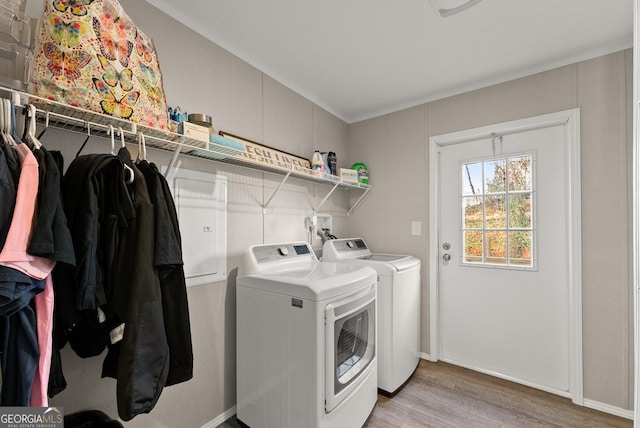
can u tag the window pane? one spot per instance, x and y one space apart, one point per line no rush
495 212
520 173
496 248
495 176
473 247
520 248
472 212
472 178
520 211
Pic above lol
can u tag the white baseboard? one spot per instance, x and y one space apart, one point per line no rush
607 408
426 356
591 404
213 423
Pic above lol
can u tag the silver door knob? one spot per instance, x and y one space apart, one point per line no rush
446 257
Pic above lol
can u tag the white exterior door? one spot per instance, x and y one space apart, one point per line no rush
505 285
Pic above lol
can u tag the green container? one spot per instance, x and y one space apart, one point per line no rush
363 172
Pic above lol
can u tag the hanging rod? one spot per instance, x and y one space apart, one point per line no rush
77 119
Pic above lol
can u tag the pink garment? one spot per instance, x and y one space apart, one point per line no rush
14 254
44 317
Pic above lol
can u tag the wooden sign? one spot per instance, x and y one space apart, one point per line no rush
260 154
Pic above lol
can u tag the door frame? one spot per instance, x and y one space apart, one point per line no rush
571 120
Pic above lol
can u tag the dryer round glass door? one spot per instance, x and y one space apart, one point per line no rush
350 344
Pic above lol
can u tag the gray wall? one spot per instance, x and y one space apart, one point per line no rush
201 77
395 147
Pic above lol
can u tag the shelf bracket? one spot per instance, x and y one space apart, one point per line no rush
264 207
353 208
326 197
174 159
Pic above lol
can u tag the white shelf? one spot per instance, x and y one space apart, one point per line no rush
63 116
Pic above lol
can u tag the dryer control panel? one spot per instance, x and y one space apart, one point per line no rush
269 253
278 256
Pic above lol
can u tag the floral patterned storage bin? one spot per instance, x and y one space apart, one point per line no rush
89 54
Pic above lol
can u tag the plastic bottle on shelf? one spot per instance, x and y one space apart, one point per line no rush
325 161
332 160
317 165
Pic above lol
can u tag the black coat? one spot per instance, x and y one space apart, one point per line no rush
168 261
140 362
129 264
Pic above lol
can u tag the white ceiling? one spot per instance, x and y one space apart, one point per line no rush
362 58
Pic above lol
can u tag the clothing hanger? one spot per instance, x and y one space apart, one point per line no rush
129 175
142 148
46 126
25 130
30 128
12 121
112 133
2 121
3 124
121 133
6 117
86 140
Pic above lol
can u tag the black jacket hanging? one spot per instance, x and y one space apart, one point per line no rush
50 236
98 207
7 196
141 359
168 261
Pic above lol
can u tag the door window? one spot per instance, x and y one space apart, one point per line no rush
497 211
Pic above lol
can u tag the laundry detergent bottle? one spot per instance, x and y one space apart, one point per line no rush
363 172
317 164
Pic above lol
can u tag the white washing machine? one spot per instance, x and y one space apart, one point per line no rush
306 340
398 307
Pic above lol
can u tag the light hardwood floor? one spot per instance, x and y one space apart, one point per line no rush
444 395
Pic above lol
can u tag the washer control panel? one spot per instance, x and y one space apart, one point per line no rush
350 245
345 248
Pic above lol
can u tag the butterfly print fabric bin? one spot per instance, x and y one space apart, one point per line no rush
90 55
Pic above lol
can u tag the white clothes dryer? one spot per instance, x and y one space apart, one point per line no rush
306 340
398 307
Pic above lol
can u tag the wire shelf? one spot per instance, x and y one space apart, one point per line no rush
76 119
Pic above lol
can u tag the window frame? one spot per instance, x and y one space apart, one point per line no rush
507 229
